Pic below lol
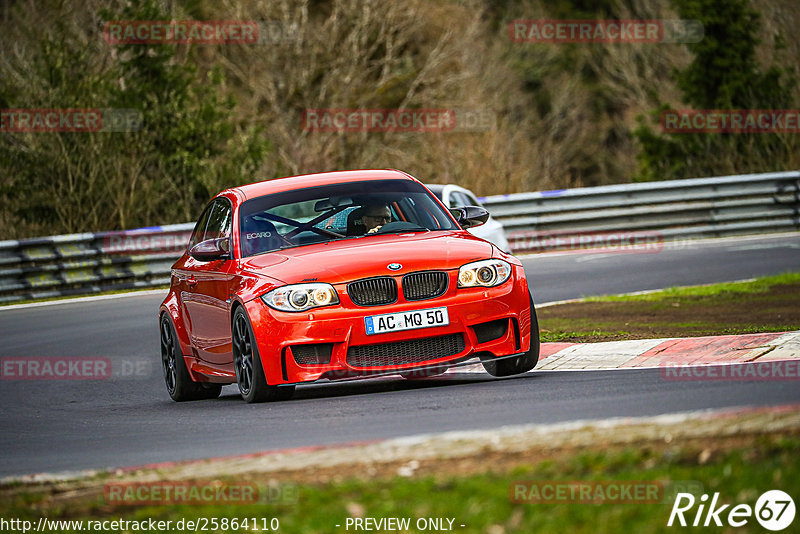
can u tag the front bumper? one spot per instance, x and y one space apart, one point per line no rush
490 322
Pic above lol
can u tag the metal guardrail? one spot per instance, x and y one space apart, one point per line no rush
80 264
649 212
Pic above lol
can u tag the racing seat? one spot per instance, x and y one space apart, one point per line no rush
354 224
259 235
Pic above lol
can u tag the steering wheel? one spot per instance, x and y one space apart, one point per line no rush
399 226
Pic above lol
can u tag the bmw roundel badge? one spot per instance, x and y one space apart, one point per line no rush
394 266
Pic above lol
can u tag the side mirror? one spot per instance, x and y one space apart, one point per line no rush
470 216
212 249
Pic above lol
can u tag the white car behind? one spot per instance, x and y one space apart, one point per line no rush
453 196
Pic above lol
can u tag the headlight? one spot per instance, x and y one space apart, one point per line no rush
484 273
301 297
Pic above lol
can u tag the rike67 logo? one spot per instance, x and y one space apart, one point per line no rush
774 510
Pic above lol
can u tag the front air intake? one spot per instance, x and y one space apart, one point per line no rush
424 285
373 291
312 353
405 352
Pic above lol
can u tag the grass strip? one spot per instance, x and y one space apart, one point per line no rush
768 304
482 502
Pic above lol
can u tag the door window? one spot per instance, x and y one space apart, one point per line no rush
213 223
219 222
200 227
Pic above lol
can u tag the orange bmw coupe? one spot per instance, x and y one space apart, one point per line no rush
334 276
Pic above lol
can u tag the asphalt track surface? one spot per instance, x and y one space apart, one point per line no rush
55 426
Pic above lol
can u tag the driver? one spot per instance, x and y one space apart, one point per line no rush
375 216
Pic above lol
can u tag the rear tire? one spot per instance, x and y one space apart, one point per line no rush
522 363
247 362
180 385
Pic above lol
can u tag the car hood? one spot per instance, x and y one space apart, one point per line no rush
350 259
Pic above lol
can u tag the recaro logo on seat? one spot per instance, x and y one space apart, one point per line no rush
256 235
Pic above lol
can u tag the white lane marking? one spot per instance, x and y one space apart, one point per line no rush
637 293
593 257
677 244
557 302
93 298
763 246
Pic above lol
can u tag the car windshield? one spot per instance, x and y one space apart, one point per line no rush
340 211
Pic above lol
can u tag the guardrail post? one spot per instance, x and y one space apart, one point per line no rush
794 187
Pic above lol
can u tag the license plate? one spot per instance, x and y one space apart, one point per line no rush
410 320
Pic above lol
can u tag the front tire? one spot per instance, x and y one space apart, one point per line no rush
522 363
247 363
180 385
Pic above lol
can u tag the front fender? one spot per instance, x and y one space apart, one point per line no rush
171 306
